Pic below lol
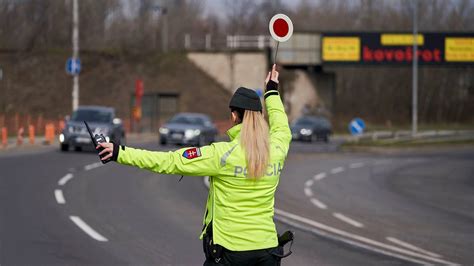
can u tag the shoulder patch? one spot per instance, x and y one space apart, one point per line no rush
192 153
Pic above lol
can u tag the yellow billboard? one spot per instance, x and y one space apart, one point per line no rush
341 49
459 49
401 39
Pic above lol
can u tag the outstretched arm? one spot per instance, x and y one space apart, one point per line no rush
186 161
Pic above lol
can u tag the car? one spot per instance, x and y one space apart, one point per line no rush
101 120
311 128
188 129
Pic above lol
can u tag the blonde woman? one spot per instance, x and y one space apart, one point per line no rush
238 227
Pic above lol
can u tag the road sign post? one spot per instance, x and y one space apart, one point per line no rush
75 53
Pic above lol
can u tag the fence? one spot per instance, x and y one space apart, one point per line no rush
208 42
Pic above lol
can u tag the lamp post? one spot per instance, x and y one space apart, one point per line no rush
414 126
164 31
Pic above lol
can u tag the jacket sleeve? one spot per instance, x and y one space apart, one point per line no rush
172 162
280 132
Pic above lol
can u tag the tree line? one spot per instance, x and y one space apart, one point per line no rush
139 26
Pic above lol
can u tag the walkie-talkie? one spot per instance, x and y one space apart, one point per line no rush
96 139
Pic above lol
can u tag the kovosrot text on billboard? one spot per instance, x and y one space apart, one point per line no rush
397 48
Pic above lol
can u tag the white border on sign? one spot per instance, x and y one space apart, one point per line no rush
290 27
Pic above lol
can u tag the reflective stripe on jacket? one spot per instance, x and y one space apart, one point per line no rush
241 208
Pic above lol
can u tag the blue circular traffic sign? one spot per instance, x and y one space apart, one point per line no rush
73 66
356 126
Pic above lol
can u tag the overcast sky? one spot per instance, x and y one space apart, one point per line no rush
218 6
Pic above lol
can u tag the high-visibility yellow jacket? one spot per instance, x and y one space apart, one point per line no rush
241 208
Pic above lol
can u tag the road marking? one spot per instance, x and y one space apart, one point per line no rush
355 240
64 179
348 220
318 204
337 170
309 183
319 176
92 166
412 247
59 196
356 165
308 192
87 229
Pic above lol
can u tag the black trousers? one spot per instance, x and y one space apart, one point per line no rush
261 257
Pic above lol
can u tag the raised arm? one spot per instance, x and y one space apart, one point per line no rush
280 132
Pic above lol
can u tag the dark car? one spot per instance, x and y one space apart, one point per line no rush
101 120
311 128
188 128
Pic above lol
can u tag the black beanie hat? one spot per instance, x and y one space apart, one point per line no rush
246 99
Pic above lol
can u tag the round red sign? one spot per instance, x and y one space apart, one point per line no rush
281 27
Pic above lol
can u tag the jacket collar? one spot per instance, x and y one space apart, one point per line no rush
234 131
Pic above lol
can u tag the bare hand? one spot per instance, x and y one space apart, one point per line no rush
273 75
108 148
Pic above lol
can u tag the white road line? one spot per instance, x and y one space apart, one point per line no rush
337 170
309 183
92 166
64 179
348 220
319 176
356 165
412 247
318 204
87 229
308 192
355 240
59 196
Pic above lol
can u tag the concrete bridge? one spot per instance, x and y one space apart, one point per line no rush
307 88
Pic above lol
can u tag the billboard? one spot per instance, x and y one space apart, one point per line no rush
397 48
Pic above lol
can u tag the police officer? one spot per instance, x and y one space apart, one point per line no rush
244 174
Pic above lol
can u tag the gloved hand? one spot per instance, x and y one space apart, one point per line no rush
271 81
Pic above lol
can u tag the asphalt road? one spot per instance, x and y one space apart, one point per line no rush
346 209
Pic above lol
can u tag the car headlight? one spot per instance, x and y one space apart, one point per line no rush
164 130
306 132
61 138
99 131
190 133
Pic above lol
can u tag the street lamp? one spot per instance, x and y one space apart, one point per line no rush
414 126
164 31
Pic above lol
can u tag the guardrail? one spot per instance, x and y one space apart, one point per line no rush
406 135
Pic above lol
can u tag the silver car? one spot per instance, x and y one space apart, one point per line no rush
188 129
101 120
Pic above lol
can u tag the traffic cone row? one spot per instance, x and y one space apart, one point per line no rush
49 133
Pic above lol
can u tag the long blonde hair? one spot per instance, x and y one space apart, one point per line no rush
254 138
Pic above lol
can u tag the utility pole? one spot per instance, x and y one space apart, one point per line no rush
414 126
164 31
75 52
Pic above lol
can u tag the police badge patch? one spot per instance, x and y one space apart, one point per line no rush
192 153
